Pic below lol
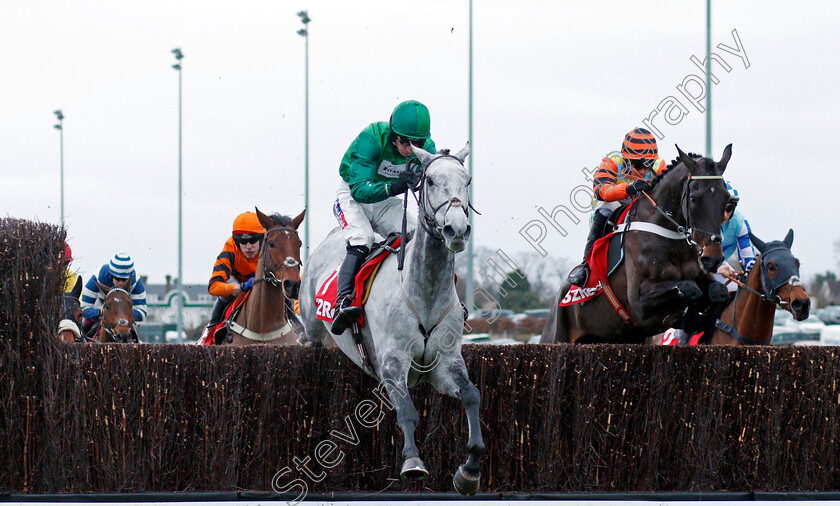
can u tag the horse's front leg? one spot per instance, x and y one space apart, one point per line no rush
394 373
657 297
466 479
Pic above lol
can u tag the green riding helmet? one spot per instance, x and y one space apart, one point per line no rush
411 119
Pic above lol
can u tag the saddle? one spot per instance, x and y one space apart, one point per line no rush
325 298
219 332
606 256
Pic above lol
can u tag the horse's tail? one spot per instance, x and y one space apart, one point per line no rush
549 333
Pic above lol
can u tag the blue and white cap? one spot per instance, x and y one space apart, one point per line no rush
733 193
121 266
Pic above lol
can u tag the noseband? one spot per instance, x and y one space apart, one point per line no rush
429 223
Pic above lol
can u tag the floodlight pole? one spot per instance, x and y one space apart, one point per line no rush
60 128
470 295
180 284
304 32
708 78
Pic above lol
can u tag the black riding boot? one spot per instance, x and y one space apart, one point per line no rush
580 274
345 314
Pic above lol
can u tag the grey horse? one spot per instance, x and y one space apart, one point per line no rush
413 320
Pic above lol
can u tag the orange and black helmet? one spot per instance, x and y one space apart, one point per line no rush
639 144
247 223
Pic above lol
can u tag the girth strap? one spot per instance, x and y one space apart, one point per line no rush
732 331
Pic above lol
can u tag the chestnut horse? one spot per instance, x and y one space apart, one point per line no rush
263 318
117 317
774 282
679 221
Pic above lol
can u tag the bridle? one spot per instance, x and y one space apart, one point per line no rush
688 230
270 273
270 277
770 294
429 223
122 322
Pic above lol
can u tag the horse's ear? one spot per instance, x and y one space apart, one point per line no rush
77 290
727 153
265 221
789 238
423 155
102 288
687 160
759 244
462 155
298 220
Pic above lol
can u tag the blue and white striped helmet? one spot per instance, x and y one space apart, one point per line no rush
121 266
733 193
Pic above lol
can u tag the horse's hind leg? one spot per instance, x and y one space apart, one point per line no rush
394 373
453 380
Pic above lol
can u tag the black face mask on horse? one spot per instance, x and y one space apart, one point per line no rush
671 244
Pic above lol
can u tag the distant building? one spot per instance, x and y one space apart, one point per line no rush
162 301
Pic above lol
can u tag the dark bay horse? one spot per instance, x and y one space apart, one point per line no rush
774 282
263 318
71 311
661 274
117 317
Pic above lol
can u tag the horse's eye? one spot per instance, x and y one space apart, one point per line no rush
771 267
270 244
693 199
431 183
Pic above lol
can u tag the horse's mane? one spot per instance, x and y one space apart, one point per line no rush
281 219
655 181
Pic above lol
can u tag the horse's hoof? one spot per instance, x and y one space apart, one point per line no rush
413 469
465 484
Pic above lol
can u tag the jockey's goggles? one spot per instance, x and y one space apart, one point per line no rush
247 239
117 278
730 207
405 141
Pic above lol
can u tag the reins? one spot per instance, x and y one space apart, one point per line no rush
431 226
688 230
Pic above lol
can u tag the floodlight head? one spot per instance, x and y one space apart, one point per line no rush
177 53
58 114
304 17
176 66
57 127
302 32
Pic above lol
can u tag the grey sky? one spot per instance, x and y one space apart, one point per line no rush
556 86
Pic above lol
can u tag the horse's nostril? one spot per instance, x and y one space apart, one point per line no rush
448 232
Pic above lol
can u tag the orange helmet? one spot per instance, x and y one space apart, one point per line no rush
247 223
639 144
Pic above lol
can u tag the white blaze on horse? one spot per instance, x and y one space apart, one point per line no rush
413 319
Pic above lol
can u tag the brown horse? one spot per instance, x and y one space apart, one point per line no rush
661 275
117 317
774 282
263 318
